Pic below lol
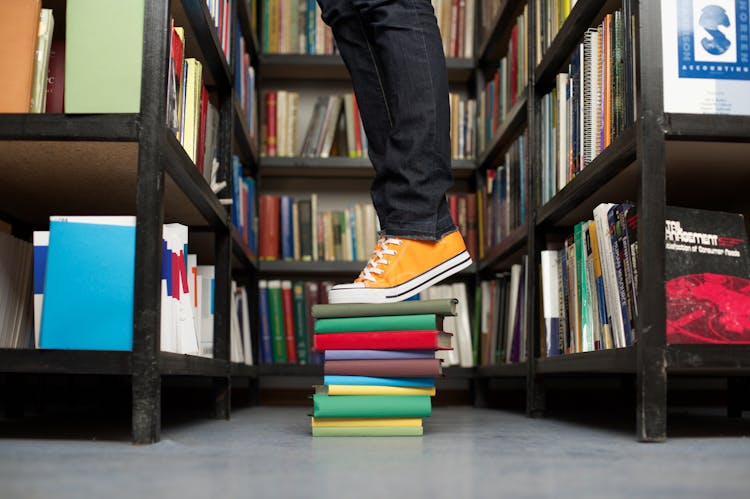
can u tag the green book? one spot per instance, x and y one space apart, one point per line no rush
369 431
380 323
300 321
585 338
437 307
371 406
276 314
103 53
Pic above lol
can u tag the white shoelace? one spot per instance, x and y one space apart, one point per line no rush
377 258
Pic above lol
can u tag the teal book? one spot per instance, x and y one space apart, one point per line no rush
276 316
445 307
422 322
88 288
103 55
368 431
371 406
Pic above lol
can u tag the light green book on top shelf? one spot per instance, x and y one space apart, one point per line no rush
423 322
103 54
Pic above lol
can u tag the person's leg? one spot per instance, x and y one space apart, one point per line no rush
394 54
414 172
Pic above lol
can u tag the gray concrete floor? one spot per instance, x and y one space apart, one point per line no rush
466 452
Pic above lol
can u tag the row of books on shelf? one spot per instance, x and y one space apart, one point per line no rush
550 17
221 15
295 27
380 365
506 85
456 20
502 321
335 127
73 289
294 229
89 64
591 104
287 325
502 196
590 286
244 206
244 87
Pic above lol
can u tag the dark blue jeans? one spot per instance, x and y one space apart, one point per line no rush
394 54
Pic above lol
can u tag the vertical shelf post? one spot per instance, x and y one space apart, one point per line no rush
651 364
146 378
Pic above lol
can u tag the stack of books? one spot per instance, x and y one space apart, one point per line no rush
380 366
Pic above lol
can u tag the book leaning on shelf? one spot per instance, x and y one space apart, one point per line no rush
244 206
589 287
244 86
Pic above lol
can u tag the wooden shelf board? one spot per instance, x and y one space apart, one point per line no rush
332 68
64 361
323 269
243 370
694 359
508 251
191 365
70 127
514 121
705 127
244 144
617 360
518 370
595 177
202 40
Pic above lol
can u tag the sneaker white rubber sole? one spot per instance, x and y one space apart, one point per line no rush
358 293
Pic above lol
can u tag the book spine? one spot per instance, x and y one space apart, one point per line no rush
266 350
300 322
278 330
287 302
271 138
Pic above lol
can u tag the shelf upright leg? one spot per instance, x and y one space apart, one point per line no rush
535 396
651 366
222 385
146 378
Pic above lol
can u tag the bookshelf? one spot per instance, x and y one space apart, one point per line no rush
116 164
661 159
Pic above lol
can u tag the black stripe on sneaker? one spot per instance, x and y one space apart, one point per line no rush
468 257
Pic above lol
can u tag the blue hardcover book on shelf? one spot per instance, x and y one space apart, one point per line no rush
88 288
251 215
375 381
287 233
236 198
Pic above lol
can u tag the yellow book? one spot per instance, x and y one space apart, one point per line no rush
364 422
192 106
373 390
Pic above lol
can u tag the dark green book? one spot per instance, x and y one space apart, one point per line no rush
371 406
368 431
300 322
425 322
276 316
416 307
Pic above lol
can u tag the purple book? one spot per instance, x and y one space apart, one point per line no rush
378 354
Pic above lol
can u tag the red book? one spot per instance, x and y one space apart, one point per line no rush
514 65
453 207
269 248
454 30
271 123
385 368
288 304
202 130
390 340
56 77
357 127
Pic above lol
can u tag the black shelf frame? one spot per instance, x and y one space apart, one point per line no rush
285 269
79 127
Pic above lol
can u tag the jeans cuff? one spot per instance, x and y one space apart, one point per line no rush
419 233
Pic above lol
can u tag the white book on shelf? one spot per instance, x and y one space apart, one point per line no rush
550 260
247 346
561 132
611 292
206 304
193 284
463 325
515 276
235 335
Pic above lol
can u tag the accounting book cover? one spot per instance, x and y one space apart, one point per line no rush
707 277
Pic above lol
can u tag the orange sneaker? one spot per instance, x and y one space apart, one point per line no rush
400 268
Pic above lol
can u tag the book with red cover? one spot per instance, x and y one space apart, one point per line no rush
271 124
270 241
391 340
202 130
453 207
460 31
357 127
288 305
471 224
514 62
56 77
385 368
